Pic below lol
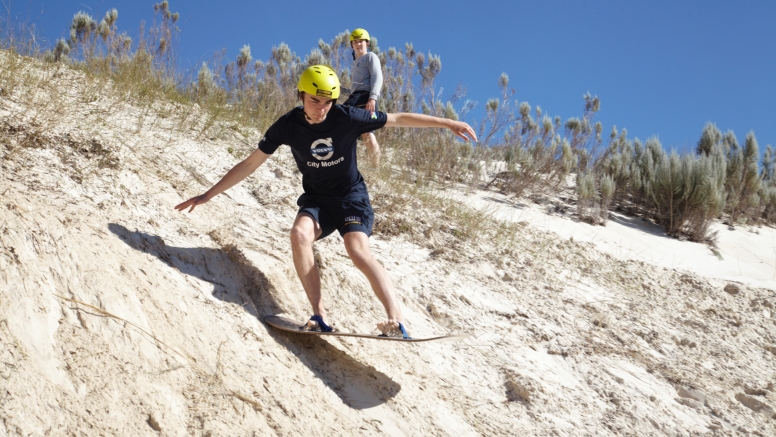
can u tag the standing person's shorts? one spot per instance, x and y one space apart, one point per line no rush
359 99
338 213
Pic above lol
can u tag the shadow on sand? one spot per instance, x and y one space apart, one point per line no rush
639 224
359 386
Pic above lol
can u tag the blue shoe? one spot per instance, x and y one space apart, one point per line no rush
403 330
322 326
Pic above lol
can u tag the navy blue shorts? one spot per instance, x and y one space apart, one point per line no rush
359 99
343 214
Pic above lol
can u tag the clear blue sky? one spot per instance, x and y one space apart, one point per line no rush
661 68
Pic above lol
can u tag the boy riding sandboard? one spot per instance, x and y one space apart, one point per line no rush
322 136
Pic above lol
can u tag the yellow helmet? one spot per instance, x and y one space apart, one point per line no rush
359 34
319 80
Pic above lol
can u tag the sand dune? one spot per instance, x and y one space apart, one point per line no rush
121 316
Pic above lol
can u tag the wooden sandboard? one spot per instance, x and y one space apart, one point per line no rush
286 324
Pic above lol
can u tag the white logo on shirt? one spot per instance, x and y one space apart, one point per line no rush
322 149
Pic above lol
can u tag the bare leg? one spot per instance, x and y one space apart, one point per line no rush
357 245
372 147
303 235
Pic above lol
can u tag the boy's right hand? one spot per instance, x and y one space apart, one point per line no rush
193 202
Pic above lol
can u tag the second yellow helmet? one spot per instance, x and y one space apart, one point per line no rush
359 34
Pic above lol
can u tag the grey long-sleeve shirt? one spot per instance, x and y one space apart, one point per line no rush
367 75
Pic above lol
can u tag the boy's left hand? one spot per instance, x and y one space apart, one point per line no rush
462 129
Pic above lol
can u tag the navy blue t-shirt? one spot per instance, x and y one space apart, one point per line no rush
325 153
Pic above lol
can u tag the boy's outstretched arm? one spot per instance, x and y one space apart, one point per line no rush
242 170
406 119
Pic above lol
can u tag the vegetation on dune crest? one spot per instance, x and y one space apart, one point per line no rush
521 151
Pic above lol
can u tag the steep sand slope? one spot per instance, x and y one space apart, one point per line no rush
121 316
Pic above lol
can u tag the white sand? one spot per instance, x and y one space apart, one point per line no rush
745 254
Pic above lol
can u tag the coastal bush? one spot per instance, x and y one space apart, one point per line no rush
684 193
587 198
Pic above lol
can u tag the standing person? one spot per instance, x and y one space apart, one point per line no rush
322 136
366 83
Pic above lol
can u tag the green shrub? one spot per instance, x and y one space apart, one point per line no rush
587 198
768 201
607 193
687 193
